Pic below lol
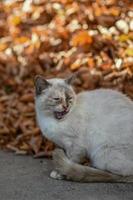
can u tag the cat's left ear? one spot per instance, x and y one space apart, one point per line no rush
41 84
71 79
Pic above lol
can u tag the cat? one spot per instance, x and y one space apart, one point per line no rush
95 124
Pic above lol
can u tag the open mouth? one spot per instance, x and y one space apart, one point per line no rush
60 115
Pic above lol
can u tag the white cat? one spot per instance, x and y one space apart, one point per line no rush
96 124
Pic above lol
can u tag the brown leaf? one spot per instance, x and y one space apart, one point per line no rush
27 98
106 20
35 143
53 38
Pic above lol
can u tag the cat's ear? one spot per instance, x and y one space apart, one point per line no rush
41 84
71 79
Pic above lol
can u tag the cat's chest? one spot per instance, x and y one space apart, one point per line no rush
63 132
48 126
52 130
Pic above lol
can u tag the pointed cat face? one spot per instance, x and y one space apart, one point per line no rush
55 96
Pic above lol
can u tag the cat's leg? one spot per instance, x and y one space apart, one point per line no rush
76 154
55 174
76 172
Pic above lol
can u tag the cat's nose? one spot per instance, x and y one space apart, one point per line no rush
64 107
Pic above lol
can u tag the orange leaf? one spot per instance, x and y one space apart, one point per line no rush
75 65
15 20
81 38
30 49
106 65
63 32
15 31
21 40
3 46
91 63
115 11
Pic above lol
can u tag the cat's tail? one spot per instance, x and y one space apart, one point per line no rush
76 172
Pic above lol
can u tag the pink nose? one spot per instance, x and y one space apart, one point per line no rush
65 107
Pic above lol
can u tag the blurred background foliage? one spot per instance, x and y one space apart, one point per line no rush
56 38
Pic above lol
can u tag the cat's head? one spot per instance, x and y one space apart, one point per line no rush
55 96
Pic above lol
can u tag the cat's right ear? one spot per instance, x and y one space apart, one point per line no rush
41 84
71 78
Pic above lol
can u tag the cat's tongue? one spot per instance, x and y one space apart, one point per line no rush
60 115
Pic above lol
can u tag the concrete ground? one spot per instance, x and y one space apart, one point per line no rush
25 178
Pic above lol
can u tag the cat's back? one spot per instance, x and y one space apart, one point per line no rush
109 114
104 97
105 102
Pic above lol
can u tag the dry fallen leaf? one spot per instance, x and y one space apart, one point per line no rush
81 38
35 143
14 20
129 52
55 38
3 46
74 66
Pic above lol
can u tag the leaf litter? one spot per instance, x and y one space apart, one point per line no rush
56 38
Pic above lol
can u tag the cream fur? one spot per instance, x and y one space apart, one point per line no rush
99 126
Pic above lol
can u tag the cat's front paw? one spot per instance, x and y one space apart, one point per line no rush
56 175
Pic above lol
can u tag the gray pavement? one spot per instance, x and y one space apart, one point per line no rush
25 178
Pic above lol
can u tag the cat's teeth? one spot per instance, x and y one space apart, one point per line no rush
60 115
